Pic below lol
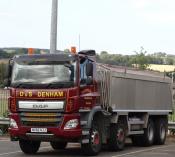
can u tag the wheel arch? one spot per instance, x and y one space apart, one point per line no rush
95 113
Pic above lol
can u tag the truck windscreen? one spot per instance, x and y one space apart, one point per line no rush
57 74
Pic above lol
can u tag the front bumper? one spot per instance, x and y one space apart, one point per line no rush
53 133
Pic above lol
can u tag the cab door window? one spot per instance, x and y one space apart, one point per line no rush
83 76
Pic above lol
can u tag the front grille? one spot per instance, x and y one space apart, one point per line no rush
41 119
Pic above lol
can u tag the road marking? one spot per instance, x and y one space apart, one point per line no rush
168 150
73 145
156 153
4 140
131 156
10 153
143 150
19 151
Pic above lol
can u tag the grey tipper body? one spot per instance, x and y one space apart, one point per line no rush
134 91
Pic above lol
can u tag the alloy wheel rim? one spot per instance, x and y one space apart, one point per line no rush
162 132
150 133
95 138
120 136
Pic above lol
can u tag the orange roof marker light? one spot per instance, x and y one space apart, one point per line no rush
30 51
73 50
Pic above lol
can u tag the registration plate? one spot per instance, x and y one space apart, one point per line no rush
43 130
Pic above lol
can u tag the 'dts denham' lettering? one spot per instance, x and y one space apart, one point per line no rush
50 94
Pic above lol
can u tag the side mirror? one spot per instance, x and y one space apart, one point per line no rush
89 69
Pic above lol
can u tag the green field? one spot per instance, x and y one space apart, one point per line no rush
161 68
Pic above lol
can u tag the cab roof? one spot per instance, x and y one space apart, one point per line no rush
46 57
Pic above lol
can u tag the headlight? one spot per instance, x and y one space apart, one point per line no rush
71 124
13 123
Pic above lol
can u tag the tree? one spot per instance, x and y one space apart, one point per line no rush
169 61
103 53
2 74
67 51
141 59
21 51
104 57
160 54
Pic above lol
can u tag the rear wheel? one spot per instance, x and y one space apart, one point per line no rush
117 137
147 138
95 142
58 145
29 147
160 131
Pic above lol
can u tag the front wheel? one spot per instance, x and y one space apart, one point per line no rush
95 142
29 147
58 145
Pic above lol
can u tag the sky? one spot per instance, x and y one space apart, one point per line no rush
116 26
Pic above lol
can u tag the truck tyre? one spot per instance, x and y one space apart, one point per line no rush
147 138
95 142
58 145
117 137
29 147
160 131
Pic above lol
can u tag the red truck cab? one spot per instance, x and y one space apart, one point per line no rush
47 93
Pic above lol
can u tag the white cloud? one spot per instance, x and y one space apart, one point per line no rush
155 11
7 14
160 17
140 4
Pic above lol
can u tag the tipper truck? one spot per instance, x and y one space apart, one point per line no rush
61 98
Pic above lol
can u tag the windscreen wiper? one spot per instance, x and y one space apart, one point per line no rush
55 84
17 85
22 84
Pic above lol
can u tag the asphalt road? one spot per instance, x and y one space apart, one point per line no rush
11 149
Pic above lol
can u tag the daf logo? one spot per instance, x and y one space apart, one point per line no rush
40 106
